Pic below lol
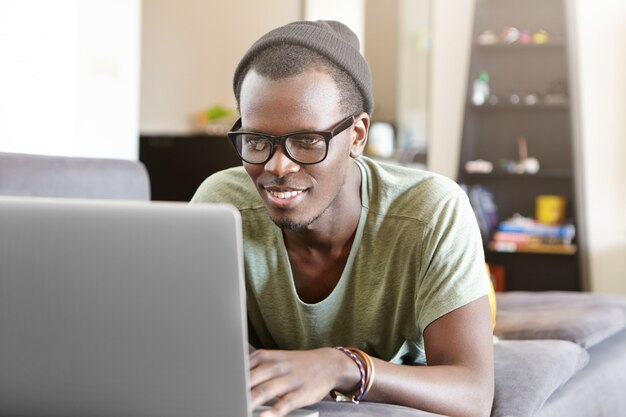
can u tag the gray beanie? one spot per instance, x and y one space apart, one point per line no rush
332 39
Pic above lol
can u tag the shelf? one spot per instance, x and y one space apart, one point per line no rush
533 248
518 46
557 174
521 107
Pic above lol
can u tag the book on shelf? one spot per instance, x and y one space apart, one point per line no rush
522 234
485 209
527 238
556 249
557 233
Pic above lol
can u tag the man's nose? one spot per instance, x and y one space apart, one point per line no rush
279 164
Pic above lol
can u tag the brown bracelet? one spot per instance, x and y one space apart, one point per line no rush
366 369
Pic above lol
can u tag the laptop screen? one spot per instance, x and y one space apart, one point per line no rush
120 308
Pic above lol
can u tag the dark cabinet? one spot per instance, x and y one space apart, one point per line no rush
177 165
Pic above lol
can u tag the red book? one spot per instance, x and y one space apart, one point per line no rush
511 237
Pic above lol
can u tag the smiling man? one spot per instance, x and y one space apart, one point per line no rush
356 272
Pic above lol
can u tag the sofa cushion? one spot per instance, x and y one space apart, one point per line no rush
527 372
582 318
366 409
72 177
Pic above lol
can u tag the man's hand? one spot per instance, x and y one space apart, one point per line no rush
297 378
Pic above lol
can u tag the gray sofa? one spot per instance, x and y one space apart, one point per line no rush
557 354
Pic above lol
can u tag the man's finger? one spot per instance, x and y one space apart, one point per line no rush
273 388
286 404
266 370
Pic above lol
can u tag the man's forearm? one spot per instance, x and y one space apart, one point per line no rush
452 390
459 378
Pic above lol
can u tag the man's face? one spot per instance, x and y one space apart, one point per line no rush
296 196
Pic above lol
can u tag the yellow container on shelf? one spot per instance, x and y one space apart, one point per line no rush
550 209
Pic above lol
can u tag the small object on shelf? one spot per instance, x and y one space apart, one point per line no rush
557 93
487 37
555 99
478 166
480 89
508 165
531 99
541 37
215 120
525 37
514 98
493 100
522 148
550 209
380 141
510 35
530 166
525 165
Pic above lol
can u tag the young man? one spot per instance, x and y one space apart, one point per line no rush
356 271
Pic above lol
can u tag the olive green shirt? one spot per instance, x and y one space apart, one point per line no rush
417 255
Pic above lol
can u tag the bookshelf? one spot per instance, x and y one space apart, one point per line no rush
520 125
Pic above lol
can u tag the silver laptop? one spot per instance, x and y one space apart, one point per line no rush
121 309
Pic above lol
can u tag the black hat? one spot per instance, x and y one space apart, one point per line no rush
332 39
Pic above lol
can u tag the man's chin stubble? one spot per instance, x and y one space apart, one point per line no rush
292 226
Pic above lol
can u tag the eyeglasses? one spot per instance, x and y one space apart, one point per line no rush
303 147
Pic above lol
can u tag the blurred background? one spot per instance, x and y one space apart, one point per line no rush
522 103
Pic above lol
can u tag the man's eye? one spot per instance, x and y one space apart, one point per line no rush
307 141
255 143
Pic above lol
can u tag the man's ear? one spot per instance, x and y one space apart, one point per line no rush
359 134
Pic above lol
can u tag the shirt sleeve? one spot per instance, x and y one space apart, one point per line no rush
453 262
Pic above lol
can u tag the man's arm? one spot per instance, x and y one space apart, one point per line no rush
458 380
459 377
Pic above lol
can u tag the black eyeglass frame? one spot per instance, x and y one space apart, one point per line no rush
327 135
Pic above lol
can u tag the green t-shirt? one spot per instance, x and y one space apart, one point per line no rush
416 256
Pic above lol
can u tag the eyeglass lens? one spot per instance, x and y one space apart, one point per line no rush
306 148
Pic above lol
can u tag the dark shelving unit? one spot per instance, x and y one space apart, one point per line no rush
492 130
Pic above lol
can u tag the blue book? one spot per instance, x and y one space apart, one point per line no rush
530 226
485 209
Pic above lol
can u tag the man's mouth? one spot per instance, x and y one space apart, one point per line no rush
284 194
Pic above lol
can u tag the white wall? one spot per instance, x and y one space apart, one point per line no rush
452 22
349 12
190 51
381 51
600 61
69 77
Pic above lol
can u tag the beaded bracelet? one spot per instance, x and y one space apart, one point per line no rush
370 370
366 369
338 396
